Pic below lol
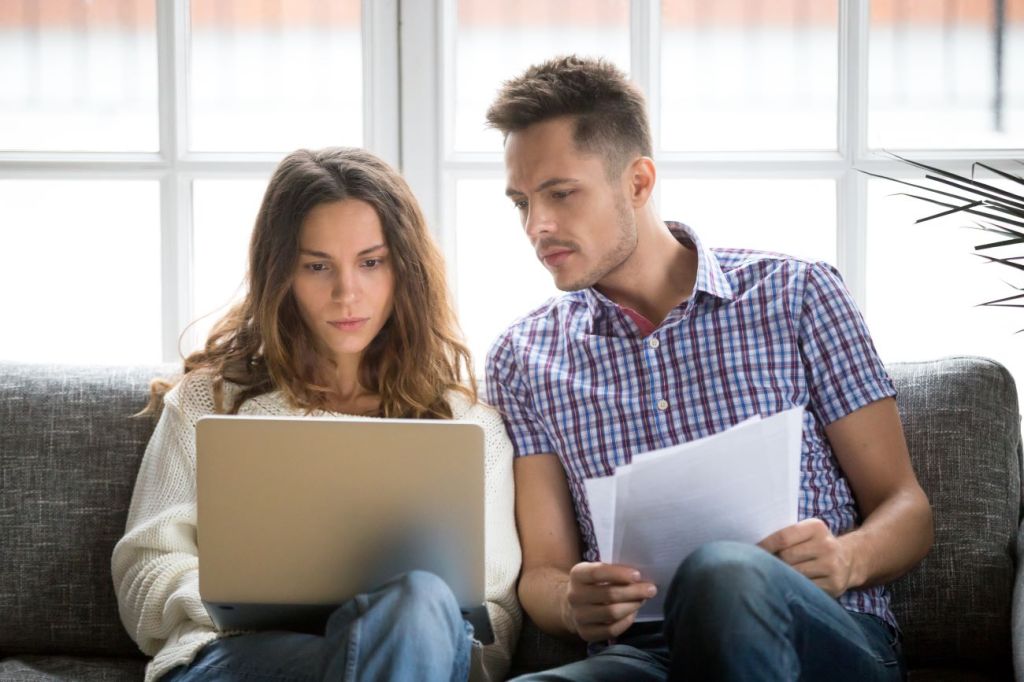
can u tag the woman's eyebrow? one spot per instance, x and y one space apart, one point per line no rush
316 254
370 250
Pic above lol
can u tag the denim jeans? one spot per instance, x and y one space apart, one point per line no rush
735 612
409 629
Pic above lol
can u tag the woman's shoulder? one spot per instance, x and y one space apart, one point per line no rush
464 407
197 393
467 409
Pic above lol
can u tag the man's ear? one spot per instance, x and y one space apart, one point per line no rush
641 175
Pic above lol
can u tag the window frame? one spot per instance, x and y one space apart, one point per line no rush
433 167
175 167
408 71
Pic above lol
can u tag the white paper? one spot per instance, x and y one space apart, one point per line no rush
601 499
740 484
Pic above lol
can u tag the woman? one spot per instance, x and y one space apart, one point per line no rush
347 314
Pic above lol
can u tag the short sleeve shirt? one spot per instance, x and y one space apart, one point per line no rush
582 378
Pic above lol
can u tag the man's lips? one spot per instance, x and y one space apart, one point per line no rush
349 323
555 257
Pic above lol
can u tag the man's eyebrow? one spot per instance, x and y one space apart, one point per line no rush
542 186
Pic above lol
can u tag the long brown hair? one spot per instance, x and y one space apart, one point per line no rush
262 344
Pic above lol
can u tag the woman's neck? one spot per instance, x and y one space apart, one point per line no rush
349 396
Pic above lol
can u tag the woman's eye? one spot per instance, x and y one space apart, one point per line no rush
316 267
371 262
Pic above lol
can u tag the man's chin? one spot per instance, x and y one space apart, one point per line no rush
567 284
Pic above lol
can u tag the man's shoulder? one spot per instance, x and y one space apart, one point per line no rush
548 318
735 259
748 268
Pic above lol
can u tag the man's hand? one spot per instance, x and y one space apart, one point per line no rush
602 599
811 548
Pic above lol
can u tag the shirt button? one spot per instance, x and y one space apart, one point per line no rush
653 342
662 405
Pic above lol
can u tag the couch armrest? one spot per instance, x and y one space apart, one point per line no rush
1017 619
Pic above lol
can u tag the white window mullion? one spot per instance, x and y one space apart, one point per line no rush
645 57
851 218
421 88
381 79
644 66
175 191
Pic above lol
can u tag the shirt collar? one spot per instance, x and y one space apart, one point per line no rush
710 277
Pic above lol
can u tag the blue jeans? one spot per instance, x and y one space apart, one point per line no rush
409 629
735 612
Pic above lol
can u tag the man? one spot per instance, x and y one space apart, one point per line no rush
661 341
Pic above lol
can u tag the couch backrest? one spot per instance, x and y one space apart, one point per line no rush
69 455
962 424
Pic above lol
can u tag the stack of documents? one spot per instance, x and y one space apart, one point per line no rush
740 484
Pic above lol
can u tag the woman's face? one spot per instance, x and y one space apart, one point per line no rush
344 282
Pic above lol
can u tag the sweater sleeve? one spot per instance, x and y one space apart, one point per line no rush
503 555
155 565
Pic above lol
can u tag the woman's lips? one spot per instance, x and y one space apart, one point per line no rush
348 324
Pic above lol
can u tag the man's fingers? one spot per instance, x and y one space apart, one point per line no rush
812 569
594 573
606 614
799 554
582 595
792 535
597 633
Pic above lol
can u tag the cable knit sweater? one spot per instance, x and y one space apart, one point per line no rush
155 564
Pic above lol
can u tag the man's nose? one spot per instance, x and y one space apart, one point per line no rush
538 222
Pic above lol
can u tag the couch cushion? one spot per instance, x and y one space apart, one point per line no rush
64 668
69 454
960 416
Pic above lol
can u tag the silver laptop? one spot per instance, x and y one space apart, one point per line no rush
296 515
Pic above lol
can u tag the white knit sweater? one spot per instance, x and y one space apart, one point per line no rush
155 564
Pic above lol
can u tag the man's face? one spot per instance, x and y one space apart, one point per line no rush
580 224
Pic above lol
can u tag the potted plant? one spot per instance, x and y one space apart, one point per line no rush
994 210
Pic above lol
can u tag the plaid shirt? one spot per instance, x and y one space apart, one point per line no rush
583 378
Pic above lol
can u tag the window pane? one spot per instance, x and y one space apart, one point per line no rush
78 75
496 41
936 80
82 276
498 277
223 217
749 74
276 76
924 284
796 217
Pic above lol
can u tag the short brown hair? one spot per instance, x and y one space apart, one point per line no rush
609 111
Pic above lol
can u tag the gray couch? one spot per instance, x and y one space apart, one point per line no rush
69 455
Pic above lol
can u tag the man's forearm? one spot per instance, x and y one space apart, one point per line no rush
891 541
542 593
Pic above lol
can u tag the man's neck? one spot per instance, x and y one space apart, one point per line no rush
659 275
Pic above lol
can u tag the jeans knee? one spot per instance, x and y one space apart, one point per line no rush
423 591
719 573
719 564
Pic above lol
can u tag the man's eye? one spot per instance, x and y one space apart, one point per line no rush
520 205
561 195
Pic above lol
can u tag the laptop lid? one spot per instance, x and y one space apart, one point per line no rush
296 515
